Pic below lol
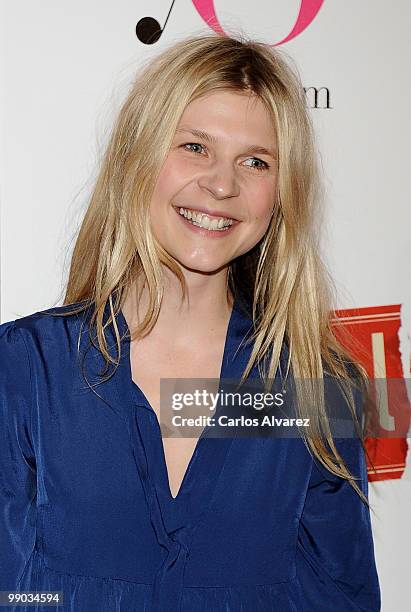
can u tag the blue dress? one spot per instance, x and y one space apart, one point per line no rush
86 508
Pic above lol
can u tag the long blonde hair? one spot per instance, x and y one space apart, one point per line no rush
283 277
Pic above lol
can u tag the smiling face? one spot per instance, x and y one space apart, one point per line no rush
222 161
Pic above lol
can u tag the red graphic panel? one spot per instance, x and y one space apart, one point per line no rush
375 330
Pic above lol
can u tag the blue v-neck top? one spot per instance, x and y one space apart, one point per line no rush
86 508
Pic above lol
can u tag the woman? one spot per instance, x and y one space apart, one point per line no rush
197 258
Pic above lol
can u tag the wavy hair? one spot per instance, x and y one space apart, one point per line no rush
283 278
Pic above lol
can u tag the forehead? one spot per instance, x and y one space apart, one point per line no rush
227 114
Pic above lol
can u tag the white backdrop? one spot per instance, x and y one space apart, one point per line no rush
65 67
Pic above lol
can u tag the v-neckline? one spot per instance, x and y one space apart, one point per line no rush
140 396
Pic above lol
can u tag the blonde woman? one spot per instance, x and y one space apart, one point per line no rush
197 258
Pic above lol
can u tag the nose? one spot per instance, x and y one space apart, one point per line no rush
220 181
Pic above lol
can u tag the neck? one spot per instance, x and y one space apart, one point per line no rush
205 311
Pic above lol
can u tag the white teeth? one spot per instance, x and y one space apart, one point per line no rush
202 220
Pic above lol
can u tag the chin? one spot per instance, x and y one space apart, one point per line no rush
204 267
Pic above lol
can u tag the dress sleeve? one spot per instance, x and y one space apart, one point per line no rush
335 550
17 459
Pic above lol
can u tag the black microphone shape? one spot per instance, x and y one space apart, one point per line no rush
148 29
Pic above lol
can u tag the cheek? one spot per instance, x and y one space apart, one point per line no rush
261 201
259 218
163 185
170 180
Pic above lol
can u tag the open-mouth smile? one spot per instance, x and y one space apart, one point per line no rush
205 224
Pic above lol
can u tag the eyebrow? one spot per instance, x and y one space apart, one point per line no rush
212 139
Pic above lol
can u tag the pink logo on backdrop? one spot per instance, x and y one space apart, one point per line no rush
308 12
149 29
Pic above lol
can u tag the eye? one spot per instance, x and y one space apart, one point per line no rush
264 166
192 144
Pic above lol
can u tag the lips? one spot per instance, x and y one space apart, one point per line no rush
210 234
215 214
